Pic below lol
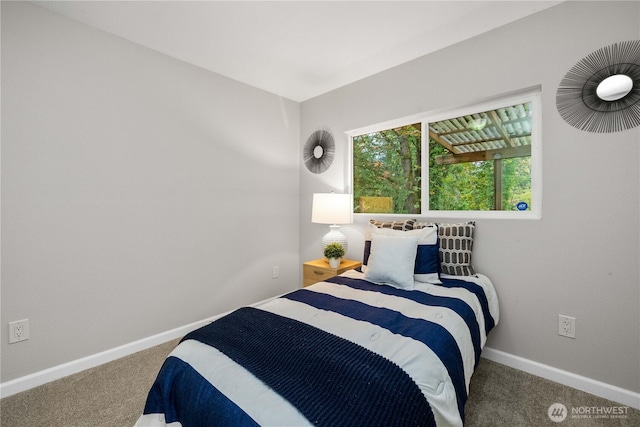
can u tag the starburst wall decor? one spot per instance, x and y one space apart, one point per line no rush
318 151
601 93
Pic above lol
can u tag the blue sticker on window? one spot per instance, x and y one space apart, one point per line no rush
522 206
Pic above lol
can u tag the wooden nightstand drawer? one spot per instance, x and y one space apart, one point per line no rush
314 274
319 270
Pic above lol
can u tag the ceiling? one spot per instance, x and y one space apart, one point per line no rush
296 49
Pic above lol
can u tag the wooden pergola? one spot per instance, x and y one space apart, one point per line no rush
492 135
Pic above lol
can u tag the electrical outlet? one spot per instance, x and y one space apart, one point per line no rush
275 272
18 331
567 326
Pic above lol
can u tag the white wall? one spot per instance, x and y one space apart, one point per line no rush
581 259
139 193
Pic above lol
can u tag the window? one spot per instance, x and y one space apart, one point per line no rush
387 172
482 160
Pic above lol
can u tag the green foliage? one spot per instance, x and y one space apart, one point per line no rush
461 186
516 182
334 250
470 186
387 164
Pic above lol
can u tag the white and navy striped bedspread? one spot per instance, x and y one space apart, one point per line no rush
415 354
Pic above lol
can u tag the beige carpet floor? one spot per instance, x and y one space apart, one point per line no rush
113 395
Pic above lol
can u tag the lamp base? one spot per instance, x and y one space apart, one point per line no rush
334 236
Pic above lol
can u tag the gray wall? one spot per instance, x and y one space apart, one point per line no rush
581 259
139 193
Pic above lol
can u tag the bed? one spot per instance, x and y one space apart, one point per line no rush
372 346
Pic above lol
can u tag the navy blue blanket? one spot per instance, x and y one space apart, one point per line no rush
330 380
182 394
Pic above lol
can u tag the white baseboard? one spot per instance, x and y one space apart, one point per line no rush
607 391
597 388
27 382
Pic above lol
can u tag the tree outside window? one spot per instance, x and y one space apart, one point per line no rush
387 172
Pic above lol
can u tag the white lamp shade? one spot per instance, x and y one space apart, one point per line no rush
332 208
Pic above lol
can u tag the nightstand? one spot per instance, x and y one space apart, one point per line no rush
319 270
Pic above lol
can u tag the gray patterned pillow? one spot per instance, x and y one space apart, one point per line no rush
405 225
418 225
456 247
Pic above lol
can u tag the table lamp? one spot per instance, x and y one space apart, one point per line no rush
333 209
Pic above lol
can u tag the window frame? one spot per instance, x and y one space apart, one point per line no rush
531 95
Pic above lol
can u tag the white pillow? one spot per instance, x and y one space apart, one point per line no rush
426 261
383 227
392 260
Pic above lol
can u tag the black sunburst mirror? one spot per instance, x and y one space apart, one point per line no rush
319 151
601 93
